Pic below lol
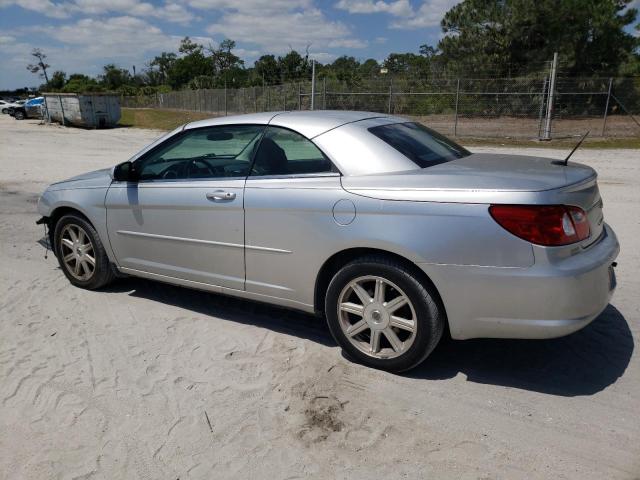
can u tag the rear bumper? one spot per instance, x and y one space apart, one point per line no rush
542 301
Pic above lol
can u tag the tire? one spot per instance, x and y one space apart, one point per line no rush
406 331
74 227
5 111
19 115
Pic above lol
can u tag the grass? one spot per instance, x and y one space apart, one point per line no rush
600 142
158 119
161 119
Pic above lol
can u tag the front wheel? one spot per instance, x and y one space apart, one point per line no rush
81 254
18 115
382 315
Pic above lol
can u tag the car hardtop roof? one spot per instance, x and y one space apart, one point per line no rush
308 123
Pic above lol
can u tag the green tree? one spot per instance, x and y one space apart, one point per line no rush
223 57
428 51
114 77
294 67
370 68
406 63
40 67
346 69
228 67
189 47
58 80
78 83
191 64
266 69
164 62
507 37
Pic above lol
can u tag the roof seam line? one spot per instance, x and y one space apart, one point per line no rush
347 123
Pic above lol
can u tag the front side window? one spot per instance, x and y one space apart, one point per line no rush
420 144
284 152
212 152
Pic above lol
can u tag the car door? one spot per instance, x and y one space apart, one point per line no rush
184 217
290 196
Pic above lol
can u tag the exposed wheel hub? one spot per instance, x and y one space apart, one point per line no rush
376 316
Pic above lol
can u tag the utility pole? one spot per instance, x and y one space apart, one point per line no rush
313 84
552 89
606 108
542 100
324 93
455 124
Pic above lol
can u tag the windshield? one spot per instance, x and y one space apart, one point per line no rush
420 144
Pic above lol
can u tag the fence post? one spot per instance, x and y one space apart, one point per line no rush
390 95
624 109
255 100
324 93
284 97
455 125
46 107
552 88
62 110
225 98
313 84
606 108
299 96
541 112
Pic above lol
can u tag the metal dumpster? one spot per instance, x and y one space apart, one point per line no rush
90 110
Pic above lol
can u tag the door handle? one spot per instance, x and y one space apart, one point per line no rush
221 196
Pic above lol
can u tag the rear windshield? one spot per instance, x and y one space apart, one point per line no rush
420 144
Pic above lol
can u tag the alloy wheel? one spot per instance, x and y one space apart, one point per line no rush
77 252
377 317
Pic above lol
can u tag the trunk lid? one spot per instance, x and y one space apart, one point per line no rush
480 171
491 179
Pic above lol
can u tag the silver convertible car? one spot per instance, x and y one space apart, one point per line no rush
393 232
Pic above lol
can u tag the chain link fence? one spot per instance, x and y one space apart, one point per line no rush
487 107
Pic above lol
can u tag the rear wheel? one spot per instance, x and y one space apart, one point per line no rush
382 315
5 110
81 254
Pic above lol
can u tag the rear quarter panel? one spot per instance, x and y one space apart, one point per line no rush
291 231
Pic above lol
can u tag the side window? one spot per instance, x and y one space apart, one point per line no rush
211 152
283 152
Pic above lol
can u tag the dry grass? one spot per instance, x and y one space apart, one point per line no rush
471 131
598 142
159 119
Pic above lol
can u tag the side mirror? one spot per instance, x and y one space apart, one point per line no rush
124 172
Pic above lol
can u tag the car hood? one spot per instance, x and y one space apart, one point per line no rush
475 177
96 179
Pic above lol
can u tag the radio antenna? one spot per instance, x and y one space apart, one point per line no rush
566 160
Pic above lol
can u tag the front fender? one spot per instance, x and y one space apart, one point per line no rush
90 202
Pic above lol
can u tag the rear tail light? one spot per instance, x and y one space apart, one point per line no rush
548 225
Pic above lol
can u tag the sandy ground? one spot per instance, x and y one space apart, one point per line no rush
149 381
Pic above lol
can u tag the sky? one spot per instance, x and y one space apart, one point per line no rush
80 36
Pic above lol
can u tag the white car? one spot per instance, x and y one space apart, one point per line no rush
5 106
